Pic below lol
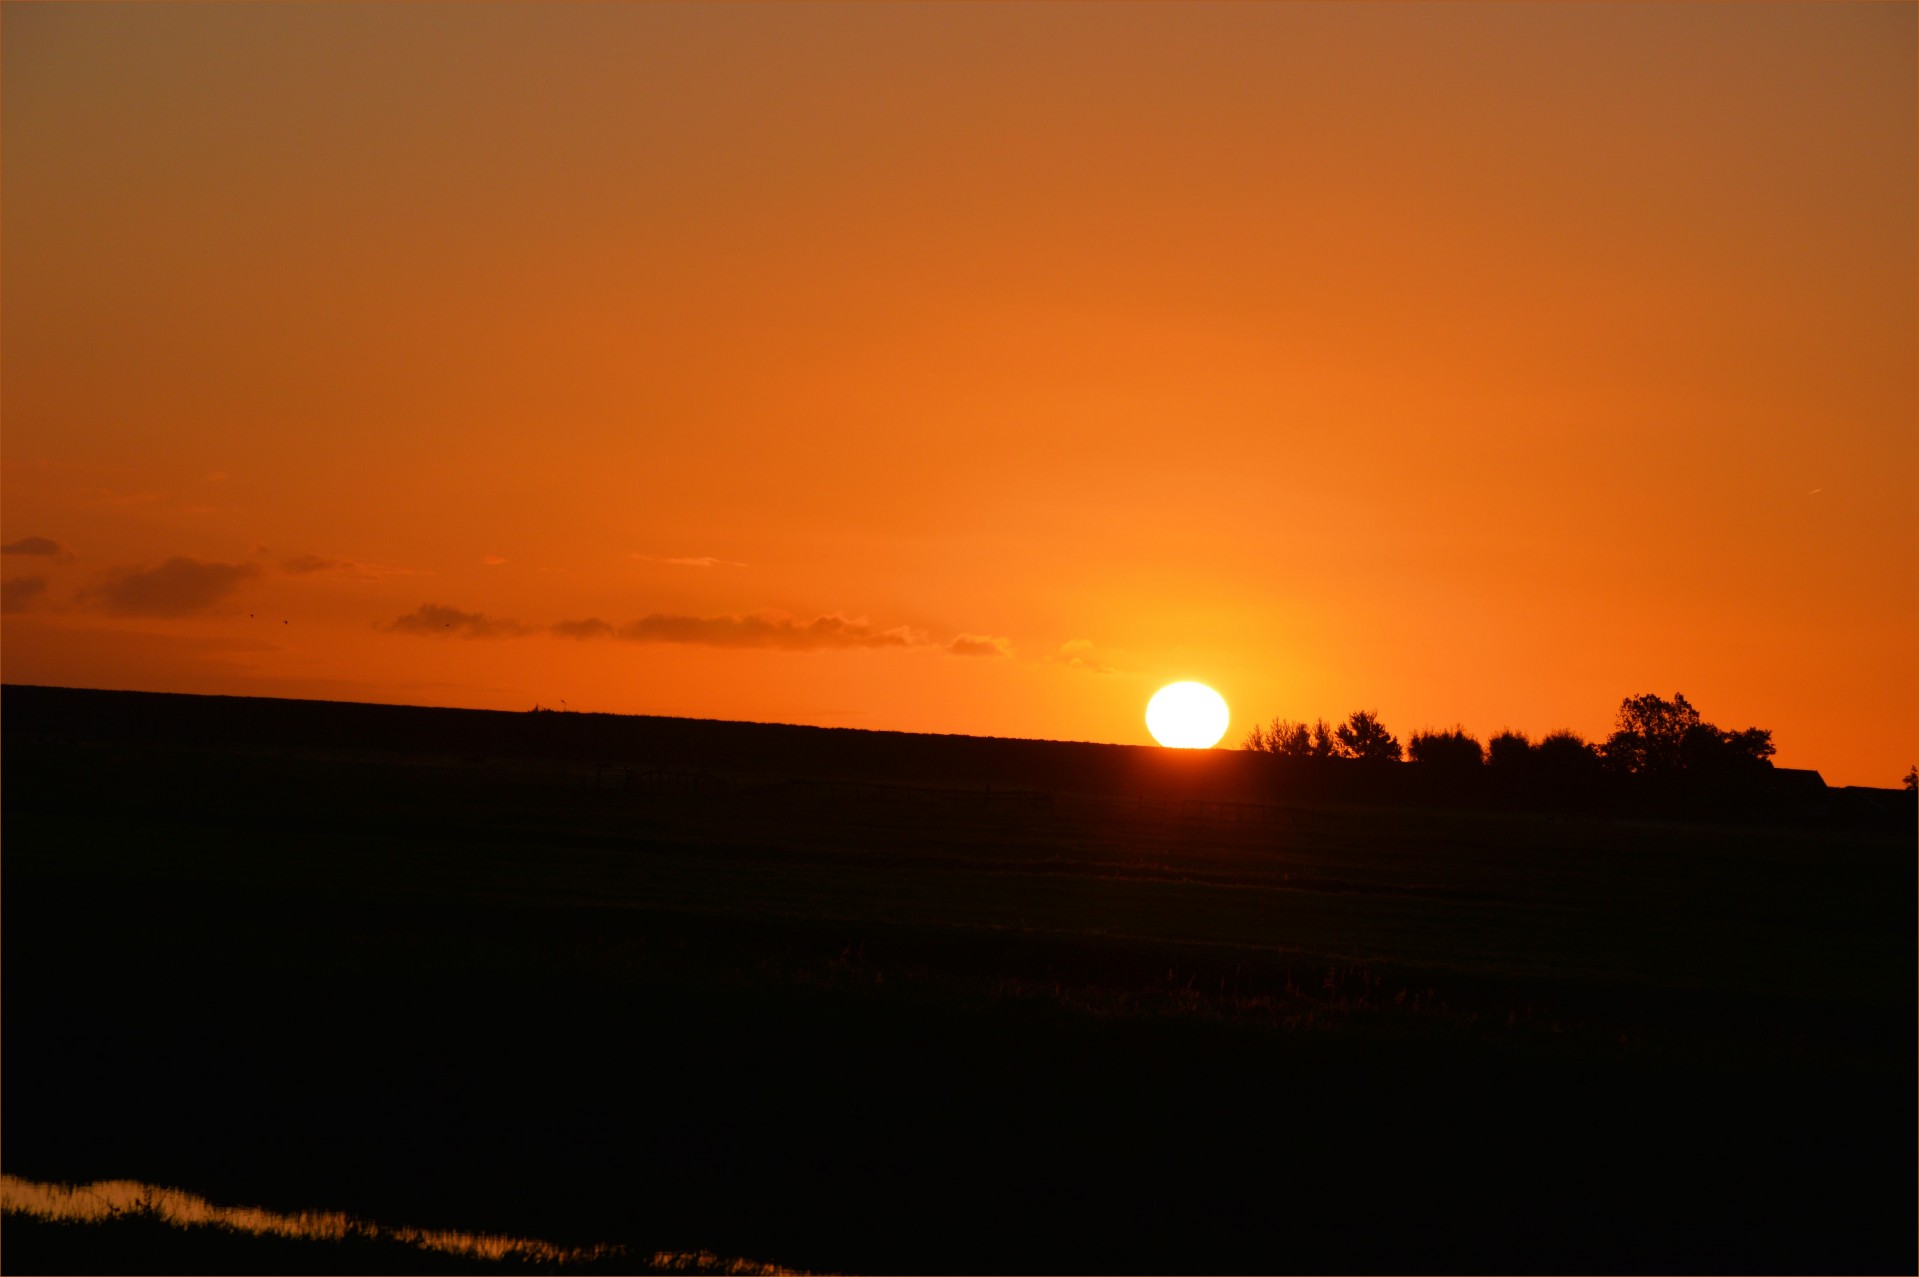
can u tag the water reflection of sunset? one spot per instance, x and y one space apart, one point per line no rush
111 1199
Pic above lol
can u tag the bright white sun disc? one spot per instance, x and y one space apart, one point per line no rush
1187 716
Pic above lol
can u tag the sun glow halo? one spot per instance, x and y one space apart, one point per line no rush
1187 716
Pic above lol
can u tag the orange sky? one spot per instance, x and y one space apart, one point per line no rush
1474 364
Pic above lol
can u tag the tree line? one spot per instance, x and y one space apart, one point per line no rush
1653 736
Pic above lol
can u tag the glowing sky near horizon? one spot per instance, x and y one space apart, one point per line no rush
972 368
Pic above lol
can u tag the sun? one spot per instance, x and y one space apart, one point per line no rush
1187 716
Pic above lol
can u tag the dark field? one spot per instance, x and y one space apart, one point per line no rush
867 1002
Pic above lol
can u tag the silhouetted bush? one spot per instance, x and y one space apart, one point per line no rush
1452 749
1509 750
1283 737
1260 739
1293 740
1565 752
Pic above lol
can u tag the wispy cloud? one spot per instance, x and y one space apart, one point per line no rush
766 631
492 561
821 633
831 631
1082 654
94 495
591 628
179 587
20 593
692 561
41 546
304 564
433 618
318 564
980 645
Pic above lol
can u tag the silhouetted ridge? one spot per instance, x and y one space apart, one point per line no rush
1560 773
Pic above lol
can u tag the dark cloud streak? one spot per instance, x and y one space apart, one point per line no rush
820 633
178 587
433 618
326 565
37 545
303 564
21 593
591 628
979 645
831 632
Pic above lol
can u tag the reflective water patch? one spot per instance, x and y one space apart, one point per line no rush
112 1199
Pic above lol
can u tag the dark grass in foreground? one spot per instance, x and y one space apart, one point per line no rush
843 1025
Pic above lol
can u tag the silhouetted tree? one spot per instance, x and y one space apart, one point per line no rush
1324 744
1650 734
1453 748
1664 737
1364 737
1912 779
1708 751
1509 750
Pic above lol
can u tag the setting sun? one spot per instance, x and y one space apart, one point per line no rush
1187 716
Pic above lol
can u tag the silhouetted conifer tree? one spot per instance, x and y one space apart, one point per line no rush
1364 737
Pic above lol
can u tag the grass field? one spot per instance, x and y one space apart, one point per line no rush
763 1005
